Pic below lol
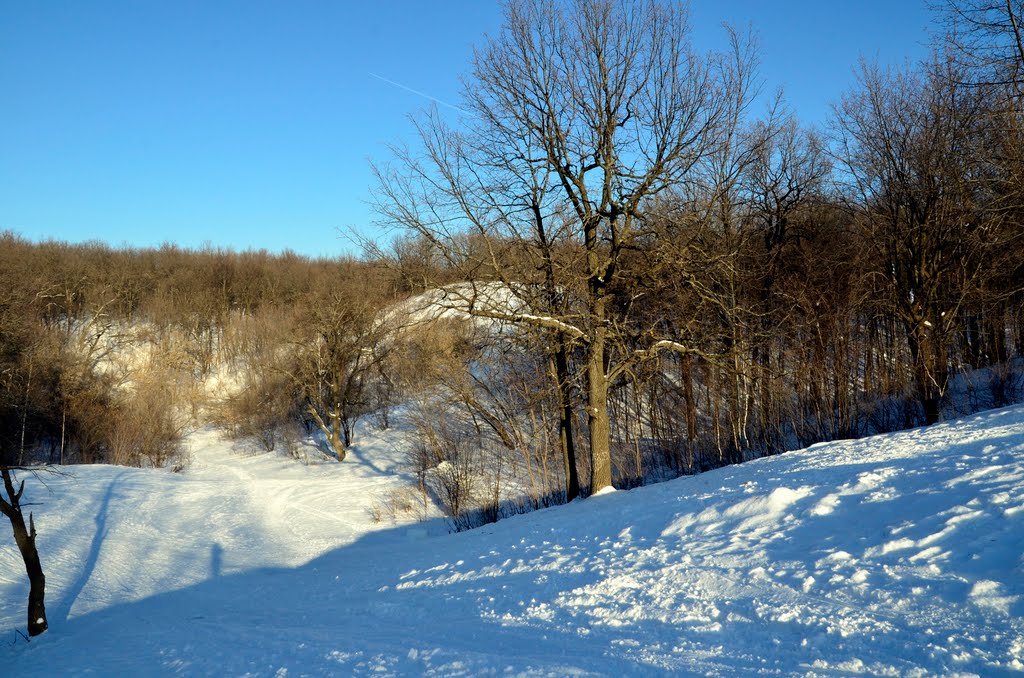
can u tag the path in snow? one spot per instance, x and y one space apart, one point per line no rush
112 534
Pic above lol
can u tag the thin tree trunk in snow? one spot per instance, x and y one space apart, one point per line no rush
25 537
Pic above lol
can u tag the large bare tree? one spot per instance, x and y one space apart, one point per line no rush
579 115
910 142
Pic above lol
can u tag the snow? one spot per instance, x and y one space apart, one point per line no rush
481 303
895 555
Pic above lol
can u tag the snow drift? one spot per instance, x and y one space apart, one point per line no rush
900 554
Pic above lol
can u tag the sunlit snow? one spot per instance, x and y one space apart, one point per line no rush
896 555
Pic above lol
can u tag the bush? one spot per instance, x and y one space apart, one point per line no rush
149 425
265 409
396 504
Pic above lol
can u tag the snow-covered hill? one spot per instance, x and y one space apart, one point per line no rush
896 555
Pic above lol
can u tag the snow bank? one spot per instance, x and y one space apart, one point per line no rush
895 555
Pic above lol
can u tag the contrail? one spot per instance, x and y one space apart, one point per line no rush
418 93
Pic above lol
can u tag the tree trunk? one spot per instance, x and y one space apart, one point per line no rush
930 372
25 537
597 416
333 432
337 444
572 480
996 327
685 367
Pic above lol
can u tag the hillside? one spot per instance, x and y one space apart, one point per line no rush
900 554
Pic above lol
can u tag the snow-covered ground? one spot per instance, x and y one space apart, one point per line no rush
895 555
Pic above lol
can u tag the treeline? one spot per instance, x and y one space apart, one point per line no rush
106 355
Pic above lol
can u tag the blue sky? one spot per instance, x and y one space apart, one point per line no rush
251 124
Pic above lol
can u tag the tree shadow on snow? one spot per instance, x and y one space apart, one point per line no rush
62 610
391 603
552 595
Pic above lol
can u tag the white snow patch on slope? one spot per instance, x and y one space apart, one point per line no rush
895 555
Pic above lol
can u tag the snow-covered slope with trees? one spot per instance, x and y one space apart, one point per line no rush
894 555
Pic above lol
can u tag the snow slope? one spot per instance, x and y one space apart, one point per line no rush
895 555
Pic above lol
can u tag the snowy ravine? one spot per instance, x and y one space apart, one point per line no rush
895 555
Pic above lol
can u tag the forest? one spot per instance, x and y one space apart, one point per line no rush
622 267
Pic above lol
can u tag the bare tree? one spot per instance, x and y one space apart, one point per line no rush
907 142
785 182
25 536
18 394
990 35
340 347
580 114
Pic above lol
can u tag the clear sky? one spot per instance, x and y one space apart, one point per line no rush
250 123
